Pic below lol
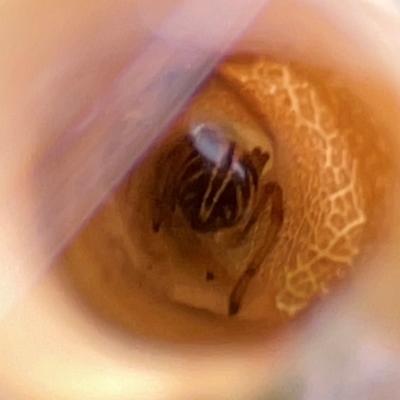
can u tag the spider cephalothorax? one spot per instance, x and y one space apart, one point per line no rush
213 180
217 186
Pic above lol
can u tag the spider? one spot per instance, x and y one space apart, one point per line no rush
219 187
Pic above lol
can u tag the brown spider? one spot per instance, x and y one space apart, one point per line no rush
219 187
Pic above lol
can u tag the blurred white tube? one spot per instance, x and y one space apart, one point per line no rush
49 351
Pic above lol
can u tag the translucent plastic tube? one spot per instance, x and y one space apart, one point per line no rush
51 349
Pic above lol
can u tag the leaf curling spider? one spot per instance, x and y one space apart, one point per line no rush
219 187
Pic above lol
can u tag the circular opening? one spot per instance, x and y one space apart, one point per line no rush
257 202
269 190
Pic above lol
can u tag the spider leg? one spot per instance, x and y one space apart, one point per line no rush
274 191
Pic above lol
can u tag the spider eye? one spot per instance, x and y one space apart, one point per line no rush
257 202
